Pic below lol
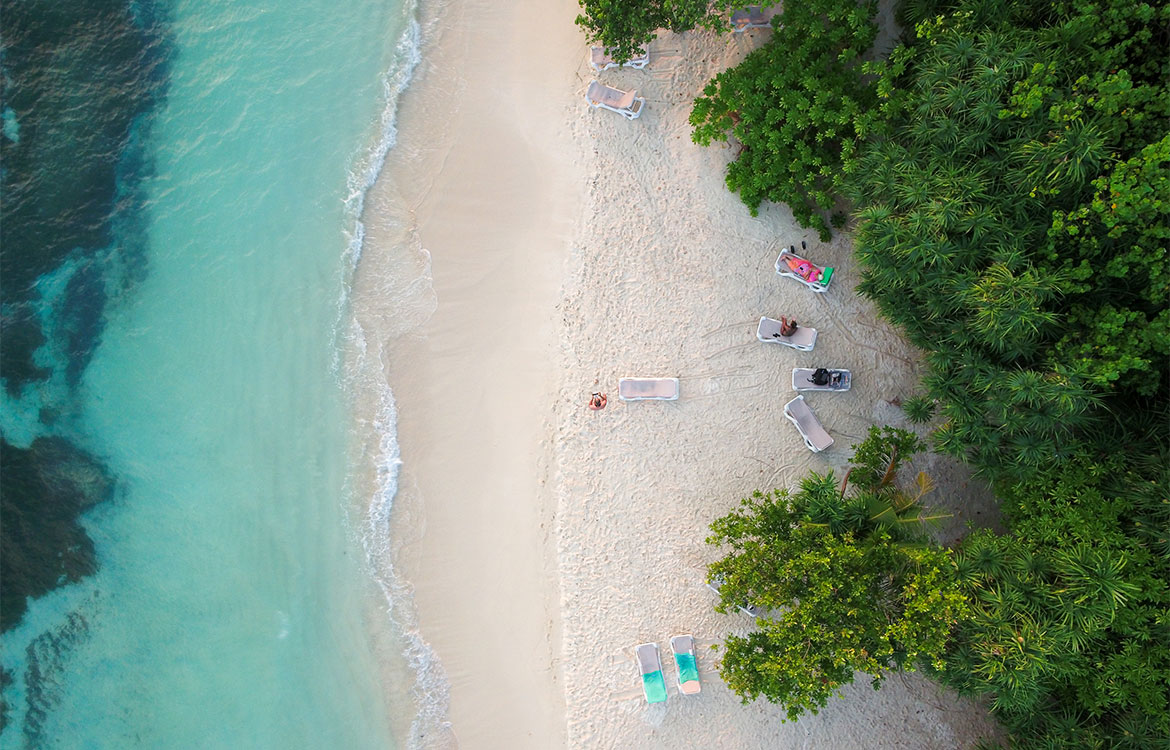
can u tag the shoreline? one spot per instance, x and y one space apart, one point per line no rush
467 228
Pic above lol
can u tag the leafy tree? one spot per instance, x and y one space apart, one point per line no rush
847 582
797 107
624 26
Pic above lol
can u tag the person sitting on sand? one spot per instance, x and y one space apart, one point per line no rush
597 401
787 326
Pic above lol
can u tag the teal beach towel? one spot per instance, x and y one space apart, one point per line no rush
654 686
687 670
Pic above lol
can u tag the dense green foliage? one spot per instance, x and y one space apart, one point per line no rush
797 107
1071 633
845 579
1014 224
623 26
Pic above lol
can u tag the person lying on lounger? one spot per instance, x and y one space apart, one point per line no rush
787 328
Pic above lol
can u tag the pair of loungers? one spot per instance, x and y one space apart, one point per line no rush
625 103
799 413
650 668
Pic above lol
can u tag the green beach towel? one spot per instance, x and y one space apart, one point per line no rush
654 686
687 670
825 279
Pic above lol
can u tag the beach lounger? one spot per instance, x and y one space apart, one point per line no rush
650 667
648 389
625 103
802 340
754 17
806 423
815 277
600 59
683 647
747 608
802 380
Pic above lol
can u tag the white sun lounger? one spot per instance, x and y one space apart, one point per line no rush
802 340
819 286
600 59
648 389
807 425
683 647
650 669
754 17
625 103
802 380
747 608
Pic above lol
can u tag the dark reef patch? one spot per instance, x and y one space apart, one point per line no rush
76 77
42 491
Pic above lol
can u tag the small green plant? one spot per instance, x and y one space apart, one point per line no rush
919 409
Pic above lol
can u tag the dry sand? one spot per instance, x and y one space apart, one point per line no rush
570 247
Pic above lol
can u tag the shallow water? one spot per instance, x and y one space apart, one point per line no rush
231 605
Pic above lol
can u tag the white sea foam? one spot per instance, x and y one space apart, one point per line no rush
431 689
407 55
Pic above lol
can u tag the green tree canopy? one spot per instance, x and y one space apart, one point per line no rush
847 582
623 26
1014 221
796 107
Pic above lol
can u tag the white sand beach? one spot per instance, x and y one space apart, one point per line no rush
548 250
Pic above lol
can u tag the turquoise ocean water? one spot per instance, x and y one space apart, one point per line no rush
233 603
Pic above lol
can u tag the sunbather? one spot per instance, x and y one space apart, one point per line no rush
597 401
787 326
803 268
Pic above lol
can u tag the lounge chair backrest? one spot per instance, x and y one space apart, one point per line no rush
599 56
611 97
648 660
808 425
682 643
